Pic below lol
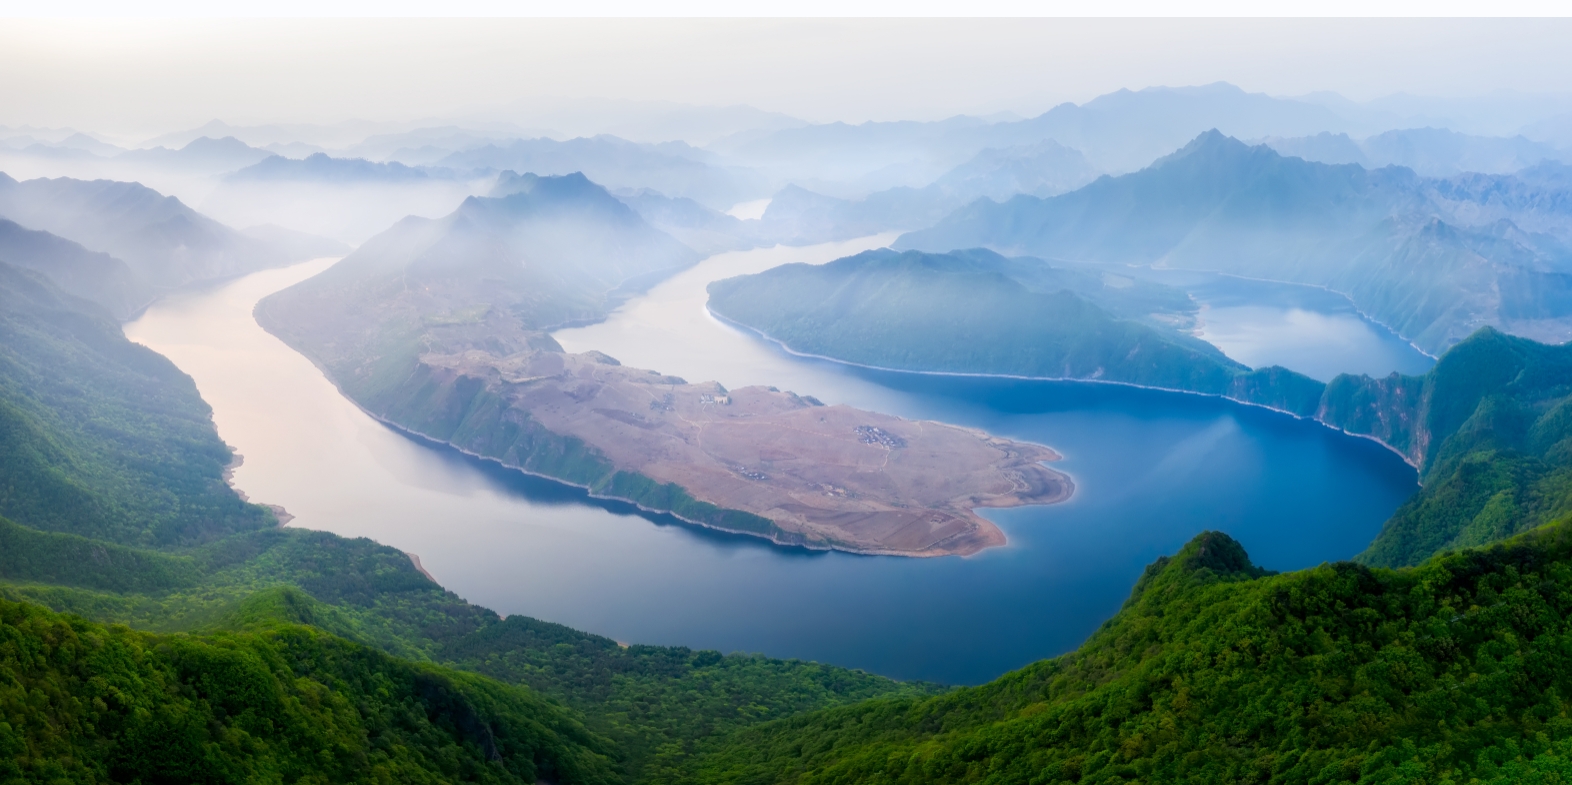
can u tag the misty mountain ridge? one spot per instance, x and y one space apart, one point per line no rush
799 216
90 275
162 241
675 169
1117 132
1432 152
334 135
495 272
1433 259
203 153
549 244
321 167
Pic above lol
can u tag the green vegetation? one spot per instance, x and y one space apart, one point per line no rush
1213 672
100 436
977 312
110 436
1490 427
83 702
271 655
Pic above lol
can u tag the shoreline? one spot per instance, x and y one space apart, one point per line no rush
1346 296
722 319
235 460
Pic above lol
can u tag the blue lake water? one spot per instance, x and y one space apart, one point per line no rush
1152 470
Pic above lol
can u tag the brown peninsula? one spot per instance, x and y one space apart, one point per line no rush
835 476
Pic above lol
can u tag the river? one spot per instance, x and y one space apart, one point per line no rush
1152 469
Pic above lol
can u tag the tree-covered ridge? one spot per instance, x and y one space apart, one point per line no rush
1490 427
1451 672
84 702
100 436
975 311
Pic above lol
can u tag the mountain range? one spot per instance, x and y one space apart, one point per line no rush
1431 152
673 168
1432 259
1118 132
320 167
140 241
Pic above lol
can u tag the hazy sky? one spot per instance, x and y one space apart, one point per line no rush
147 76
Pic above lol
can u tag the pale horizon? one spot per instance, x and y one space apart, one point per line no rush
133 80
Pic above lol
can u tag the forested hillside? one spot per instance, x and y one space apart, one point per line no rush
975 311
100 436
1490 427
111 475
276 702
1214 672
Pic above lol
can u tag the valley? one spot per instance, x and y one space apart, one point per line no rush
1178 434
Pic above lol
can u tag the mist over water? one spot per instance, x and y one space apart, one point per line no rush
1152 469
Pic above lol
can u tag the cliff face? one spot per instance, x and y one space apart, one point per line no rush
1388 410
1490 429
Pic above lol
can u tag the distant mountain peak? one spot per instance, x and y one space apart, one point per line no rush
552 186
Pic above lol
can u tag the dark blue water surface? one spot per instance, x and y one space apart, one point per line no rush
1152 469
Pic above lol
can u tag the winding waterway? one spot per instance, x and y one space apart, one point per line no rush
1152 469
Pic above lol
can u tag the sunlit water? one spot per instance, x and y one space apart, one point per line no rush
1311 330
1152 469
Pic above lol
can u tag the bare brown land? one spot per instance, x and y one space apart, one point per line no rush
857 480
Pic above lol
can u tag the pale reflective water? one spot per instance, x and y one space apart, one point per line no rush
1152 470
1311 330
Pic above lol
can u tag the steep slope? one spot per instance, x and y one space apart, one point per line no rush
1432 269
166 243
100 436
98 277
279 702
1490 427
1216 673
